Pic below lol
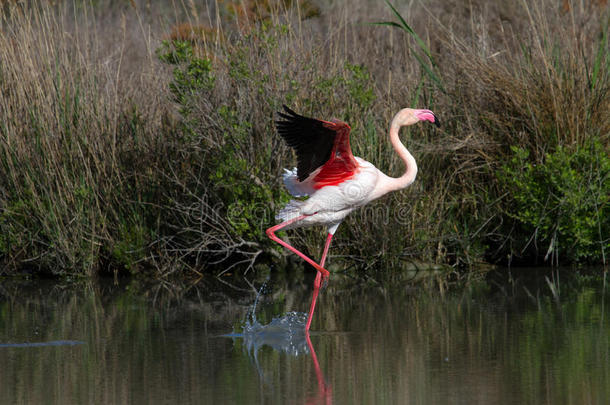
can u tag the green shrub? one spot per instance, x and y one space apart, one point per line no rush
130 245
190 73
563 201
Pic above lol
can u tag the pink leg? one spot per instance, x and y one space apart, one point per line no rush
322 272
329 237
271 233
320 279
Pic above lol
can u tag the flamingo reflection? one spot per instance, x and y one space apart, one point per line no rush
285 335
324 389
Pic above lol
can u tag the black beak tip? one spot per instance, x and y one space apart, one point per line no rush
436 122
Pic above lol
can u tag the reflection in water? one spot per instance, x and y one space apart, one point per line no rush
42 344
286 335
491 343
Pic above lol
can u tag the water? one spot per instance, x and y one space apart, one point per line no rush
500 342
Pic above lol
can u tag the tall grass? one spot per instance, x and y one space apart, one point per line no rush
78 137
153 149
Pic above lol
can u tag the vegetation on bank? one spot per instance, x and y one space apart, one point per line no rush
127 145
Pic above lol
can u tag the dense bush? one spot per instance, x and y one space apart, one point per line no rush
562 203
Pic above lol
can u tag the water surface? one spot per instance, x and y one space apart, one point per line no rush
498 342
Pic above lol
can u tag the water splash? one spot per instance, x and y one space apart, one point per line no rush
252 312
284 334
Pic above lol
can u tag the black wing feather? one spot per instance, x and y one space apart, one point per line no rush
311 140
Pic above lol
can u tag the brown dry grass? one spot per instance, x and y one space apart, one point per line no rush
98 170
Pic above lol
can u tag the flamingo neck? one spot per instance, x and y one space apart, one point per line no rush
408 177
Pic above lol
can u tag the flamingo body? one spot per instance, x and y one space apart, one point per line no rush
330 204
335 182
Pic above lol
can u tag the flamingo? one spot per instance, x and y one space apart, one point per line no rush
335 181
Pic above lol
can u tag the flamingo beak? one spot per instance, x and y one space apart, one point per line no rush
427 115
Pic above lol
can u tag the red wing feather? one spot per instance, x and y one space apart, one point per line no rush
318 144
341 165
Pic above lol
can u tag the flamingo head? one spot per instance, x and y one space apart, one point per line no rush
410 116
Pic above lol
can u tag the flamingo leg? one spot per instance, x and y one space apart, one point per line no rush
322 272
320 280
329 237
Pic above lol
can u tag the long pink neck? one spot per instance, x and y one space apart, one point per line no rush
411 166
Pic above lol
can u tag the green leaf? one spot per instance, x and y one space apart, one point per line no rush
428 69
410 30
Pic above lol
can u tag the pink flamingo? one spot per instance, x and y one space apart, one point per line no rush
335 181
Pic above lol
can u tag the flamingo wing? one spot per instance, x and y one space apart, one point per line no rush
318 144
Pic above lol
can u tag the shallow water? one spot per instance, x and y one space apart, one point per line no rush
499 342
